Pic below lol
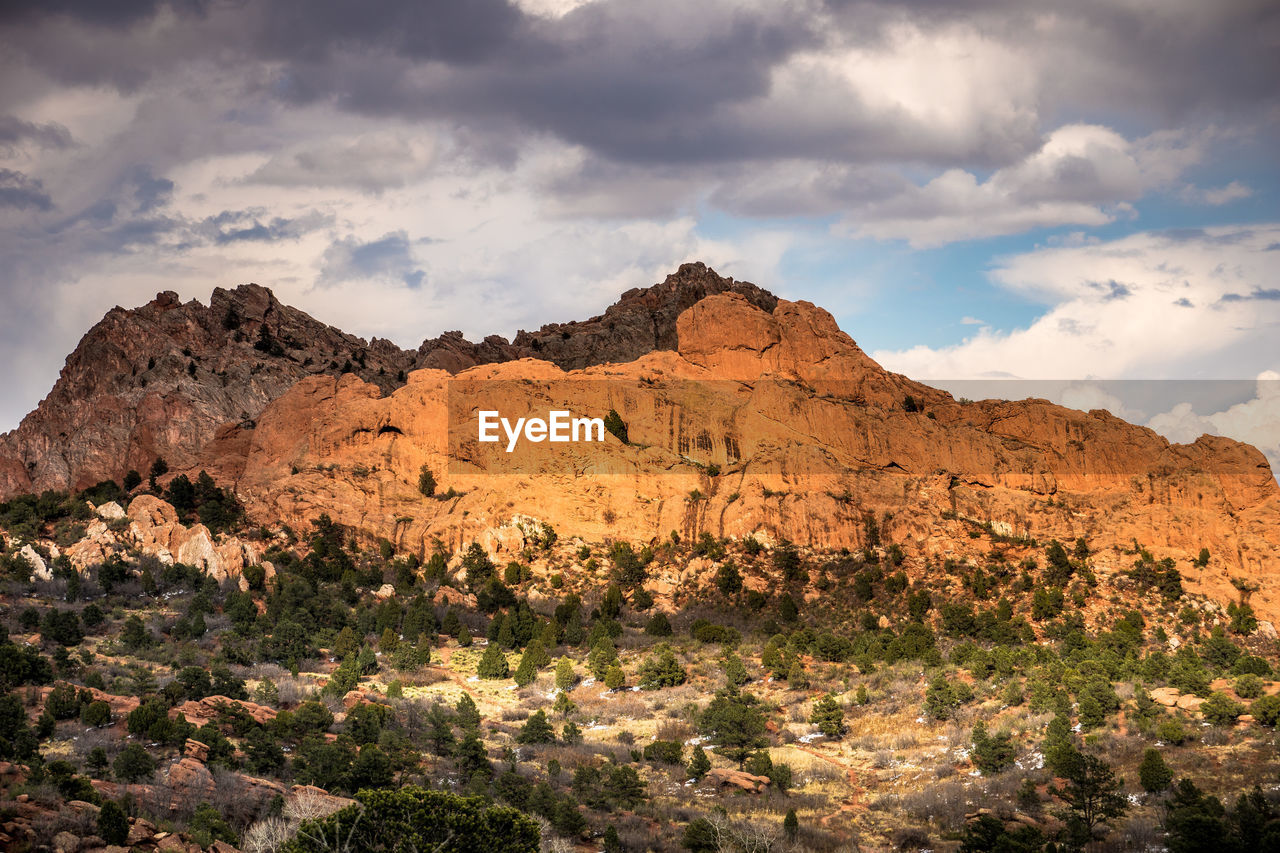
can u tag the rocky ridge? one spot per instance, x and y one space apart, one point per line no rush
179 380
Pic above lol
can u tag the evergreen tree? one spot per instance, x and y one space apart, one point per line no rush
828 716
113 823
1154 774
699 764
734 721
791 825
537 730
493 664
661 669
565 676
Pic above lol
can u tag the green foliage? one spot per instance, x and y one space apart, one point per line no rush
207 825
658 625
1153 773
828 716
134 764
665 752
940 699
413 818
1092 795
699 764
616 426
1197 822
991 753
662 669
426 482
493 664
537 730
113 823
987 834
1221 710
1266 710
565 676
734 721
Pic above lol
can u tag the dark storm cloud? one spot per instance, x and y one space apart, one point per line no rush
110 13
22 192
14 131
388 258
664 82
253 226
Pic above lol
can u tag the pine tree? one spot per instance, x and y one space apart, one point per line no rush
565 676
537 730
113 823
1154 774
614 677
527 669
699 764
601 655
828 716
493 664
468 713
797 677
791 825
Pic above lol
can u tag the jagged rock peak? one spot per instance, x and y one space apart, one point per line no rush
641 321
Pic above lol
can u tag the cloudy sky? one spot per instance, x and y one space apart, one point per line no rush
973 187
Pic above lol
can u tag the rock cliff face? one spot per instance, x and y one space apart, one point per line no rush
160 380
182 380
747 415
810 437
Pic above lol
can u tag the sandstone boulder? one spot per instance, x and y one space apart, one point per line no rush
722 777
39 570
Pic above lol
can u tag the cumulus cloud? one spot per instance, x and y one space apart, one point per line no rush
1255 421
1081 175
388 257
1119 309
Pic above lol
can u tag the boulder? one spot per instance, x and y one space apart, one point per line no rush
1190 703
190 782
39 570
722 777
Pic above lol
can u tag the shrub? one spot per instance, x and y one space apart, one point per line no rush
1221 710
1248 686
828 716
1266 710
1154 774
493 664
537 730
661 669
426 482
413 818
133 764
665 752
991 753
113 823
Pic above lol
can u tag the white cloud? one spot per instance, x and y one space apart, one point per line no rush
1216 196
1081 175
1151 305
1255 422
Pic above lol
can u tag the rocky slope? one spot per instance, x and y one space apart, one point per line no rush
809 436
169 378
747 415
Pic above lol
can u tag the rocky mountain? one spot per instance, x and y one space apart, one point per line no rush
747 415
170 378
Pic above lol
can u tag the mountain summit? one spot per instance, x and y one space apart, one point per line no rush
746 416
